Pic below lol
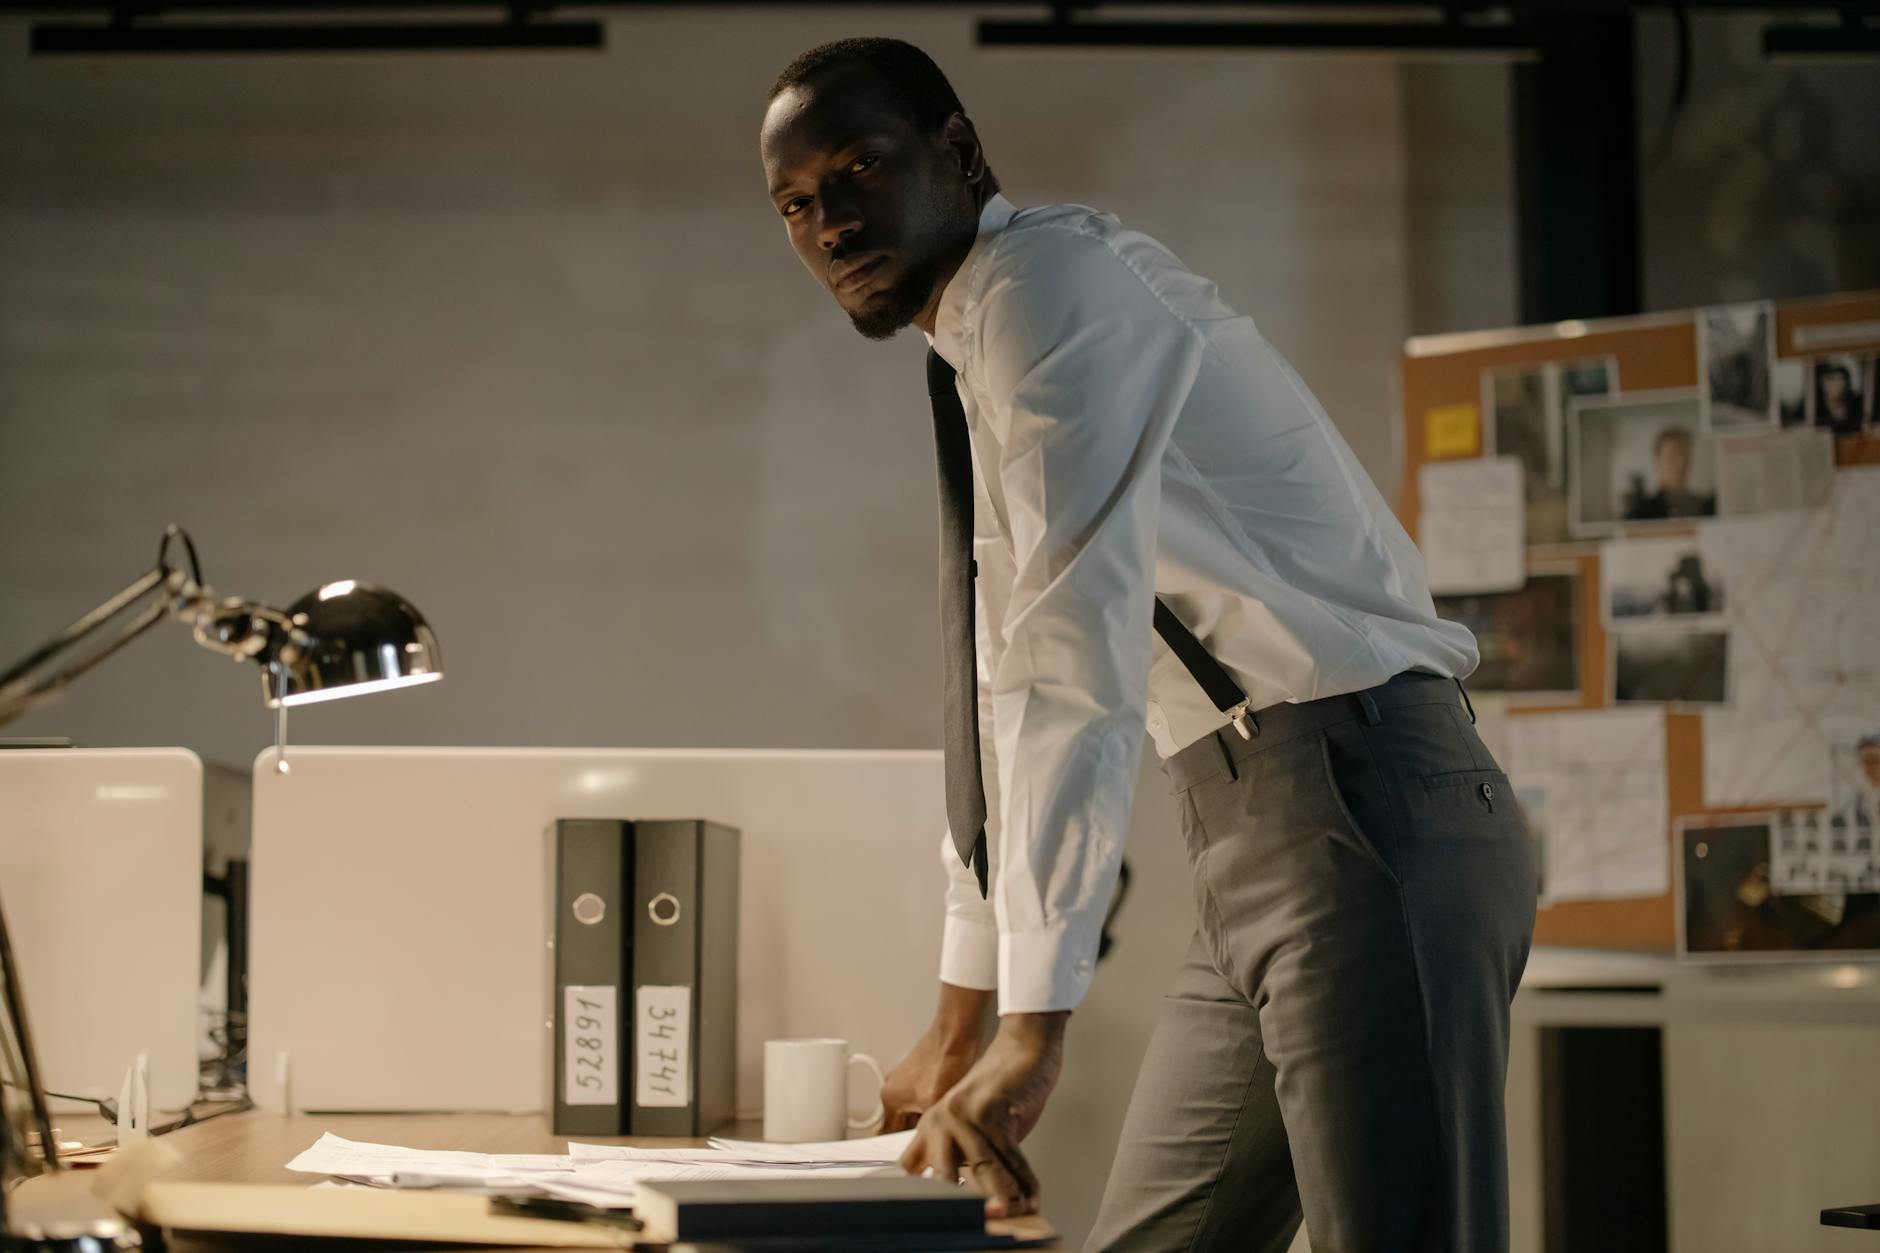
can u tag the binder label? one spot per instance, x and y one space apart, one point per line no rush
663 1047
590 1059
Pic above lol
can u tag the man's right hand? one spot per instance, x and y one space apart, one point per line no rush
939 1059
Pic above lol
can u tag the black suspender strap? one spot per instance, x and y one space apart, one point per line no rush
1209 673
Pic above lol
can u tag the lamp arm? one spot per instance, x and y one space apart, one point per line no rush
243 630
23 688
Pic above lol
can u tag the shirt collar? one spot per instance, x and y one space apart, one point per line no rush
949 321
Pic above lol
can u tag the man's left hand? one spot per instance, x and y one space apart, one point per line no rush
972 1132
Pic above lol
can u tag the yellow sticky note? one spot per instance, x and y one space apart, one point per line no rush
1452 431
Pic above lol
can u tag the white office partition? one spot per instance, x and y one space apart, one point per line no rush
399 938
101 880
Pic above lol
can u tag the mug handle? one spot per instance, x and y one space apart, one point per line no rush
880 1111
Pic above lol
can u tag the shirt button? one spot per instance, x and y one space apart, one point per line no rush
1083 965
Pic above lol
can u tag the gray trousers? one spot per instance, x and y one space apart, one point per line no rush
1336 1042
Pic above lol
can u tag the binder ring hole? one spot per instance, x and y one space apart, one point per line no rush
589 909
663 909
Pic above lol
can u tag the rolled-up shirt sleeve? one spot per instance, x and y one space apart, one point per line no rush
1081 370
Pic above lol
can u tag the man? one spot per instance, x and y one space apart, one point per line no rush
1671 466
1125 458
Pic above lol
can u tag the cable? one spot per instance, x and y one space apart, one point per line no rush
107 1108
1680 84
175 532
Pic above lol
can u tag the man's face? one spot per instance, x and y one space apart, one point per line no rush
1673 463
872 206
1833 386
1870 763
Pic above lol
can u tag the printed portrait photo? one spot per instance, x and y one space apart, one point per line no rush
1838 395
1639 459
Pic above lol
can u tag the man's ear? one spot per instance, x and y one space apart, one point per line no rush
958 134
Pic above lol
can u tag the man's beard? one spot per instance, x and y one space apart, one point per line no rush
894 307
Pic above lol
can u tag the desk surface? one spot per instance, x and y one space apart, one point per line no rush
255 1147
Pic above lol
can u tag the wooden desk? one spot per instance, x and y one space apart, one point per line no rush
255 1147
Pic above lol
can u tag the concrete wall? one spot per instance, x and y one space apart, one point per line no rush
1770 184
520 337
1459 142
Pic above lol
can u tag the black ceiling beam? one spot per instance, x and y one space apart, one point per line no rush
1850 39
1432 37
124 38
1514 8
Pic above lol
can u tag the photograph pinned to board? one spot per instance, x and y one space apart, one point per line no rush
1646 582
1766 473
1669 666
1818 850
1736 352
1602 774
1791 382
1529 639
1840 394
1636 462
1728 908
1524 415
1854 770
1471 525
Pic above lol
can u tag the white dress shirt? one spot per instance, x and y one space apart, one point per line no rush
1134 437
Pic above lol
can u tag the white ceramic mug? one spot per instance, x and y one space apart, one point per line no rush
806 1091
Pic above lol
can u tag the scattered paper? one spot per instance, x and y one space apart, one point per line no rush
1764 473
1473 530
600 1174
1802 600
1599 778
379 1163
884 1150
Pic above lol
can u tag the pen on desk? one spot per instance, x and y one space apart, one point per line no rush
414 1179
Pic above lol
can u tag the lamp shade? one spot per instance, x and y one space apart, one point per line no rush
361 639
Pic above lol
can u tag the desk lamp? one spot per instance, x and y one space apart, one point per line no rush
343 639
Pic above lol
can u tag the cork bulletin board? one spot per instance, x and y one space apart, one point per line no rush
1442 399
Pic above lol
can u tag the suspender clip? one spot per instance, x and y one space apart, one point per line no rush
1240 715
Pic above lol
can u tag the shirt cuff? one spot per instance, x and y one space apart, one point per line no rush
969 954
1041 972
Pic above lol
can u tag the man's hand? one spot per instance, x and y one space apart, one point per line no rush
939 1059
973 1131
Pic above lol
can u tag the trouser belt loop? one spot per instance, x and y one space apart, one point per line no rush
1371 716
1227 755
1466 702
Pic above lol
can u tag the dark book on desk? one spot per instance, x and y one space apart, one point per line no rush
645 947
740 1209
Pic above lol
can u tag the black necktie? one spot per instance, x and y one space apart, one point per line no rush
966 791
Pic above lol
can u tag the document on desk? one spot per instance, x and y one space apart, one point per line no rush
600 1174
381 1163
867 1151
